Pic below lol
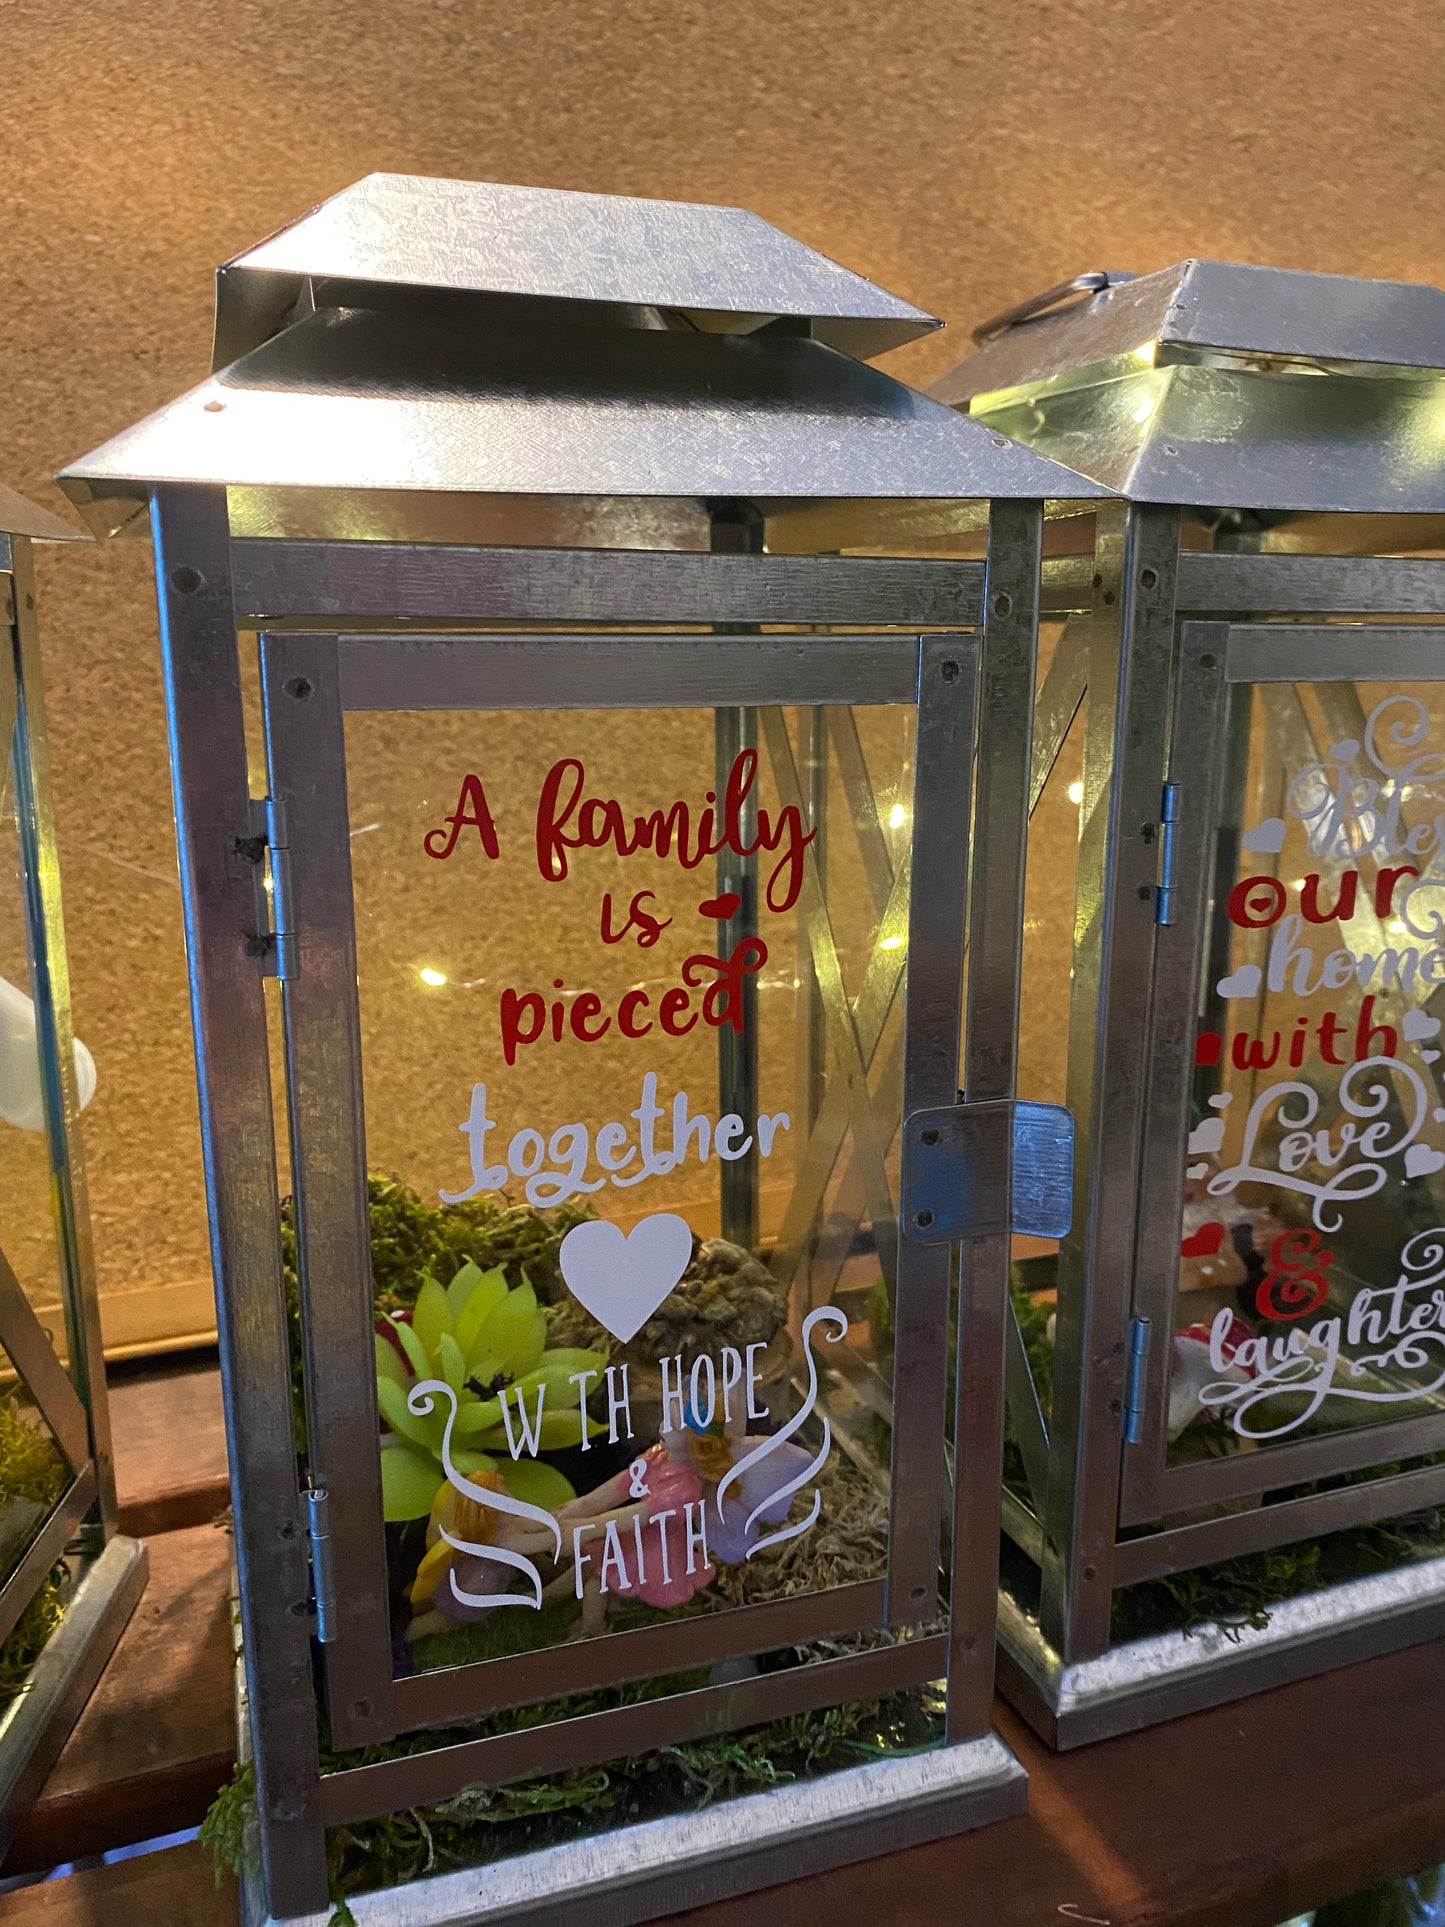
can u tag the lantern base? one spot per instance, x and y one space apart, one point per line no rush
36 1725
1149 1680
658 1867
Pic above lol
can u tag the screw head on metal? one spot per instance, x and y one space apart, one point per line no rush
1002 605
300 687
1148 579
186 580
923 1220
1206 662
930 1136
950 671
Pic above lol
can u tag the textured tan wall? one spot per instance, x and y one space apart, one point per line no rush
961 153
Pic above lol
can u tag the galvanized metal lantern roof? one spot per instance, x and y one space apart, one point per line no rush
1212 384
721 270
455 338
21 517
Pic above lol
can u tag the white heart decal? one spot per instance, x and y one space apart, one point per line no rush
621 1279
1420 1159
1418 1023
1244 982
1267 836
1207 1136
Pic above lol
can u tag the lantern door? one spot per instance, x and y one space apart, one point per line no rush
1290 1294
606 996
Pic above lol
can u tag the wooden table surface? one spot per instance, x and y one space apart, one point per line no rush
1236 1817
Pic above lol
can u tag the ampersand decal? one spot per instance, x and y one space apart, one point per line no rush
1295 1284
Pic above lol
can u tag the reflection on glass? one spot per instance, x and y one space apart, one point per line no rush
27 1223
1046 982
575 934
1312 1256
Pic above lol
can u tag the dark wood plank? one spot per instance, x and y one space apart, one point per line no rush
1238 1817
156 1739
169 1439
173 1888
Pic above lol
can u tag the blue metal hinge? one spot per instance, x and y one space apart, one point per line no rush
1166 895
323 1577
1132 1418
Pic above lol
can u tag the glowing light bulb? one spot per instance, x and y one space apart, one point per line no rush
1146 353
433 977
897 817
1076 792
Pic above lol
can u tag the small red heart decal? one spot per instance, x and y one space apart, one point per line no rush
1205 1242
721 907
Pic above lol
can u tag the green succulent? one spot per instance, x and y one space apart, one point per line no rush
485 1340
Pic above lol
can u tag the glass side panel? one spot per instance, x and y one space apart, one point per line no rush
635 1195
33 1472
27 1217
1312 1256
1046 984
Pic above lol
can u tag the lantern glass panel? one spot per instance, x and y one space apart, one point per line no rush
28 1232
550 976
1049 916
1312 1254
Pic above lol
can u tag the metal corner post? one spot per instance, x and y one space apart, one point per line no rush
208 764
1130 683
990 1063
36 821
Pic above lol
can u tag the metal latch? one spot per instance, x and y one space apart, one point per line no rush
323 1577
1132 1418
275 920
1165 896
970 1170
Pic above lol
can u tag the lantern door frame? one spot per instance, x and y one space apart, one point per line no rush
1216 659
310 683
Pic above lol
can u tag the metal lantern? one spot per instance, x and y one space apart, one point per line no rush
577 837
68 1580
1236 1476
